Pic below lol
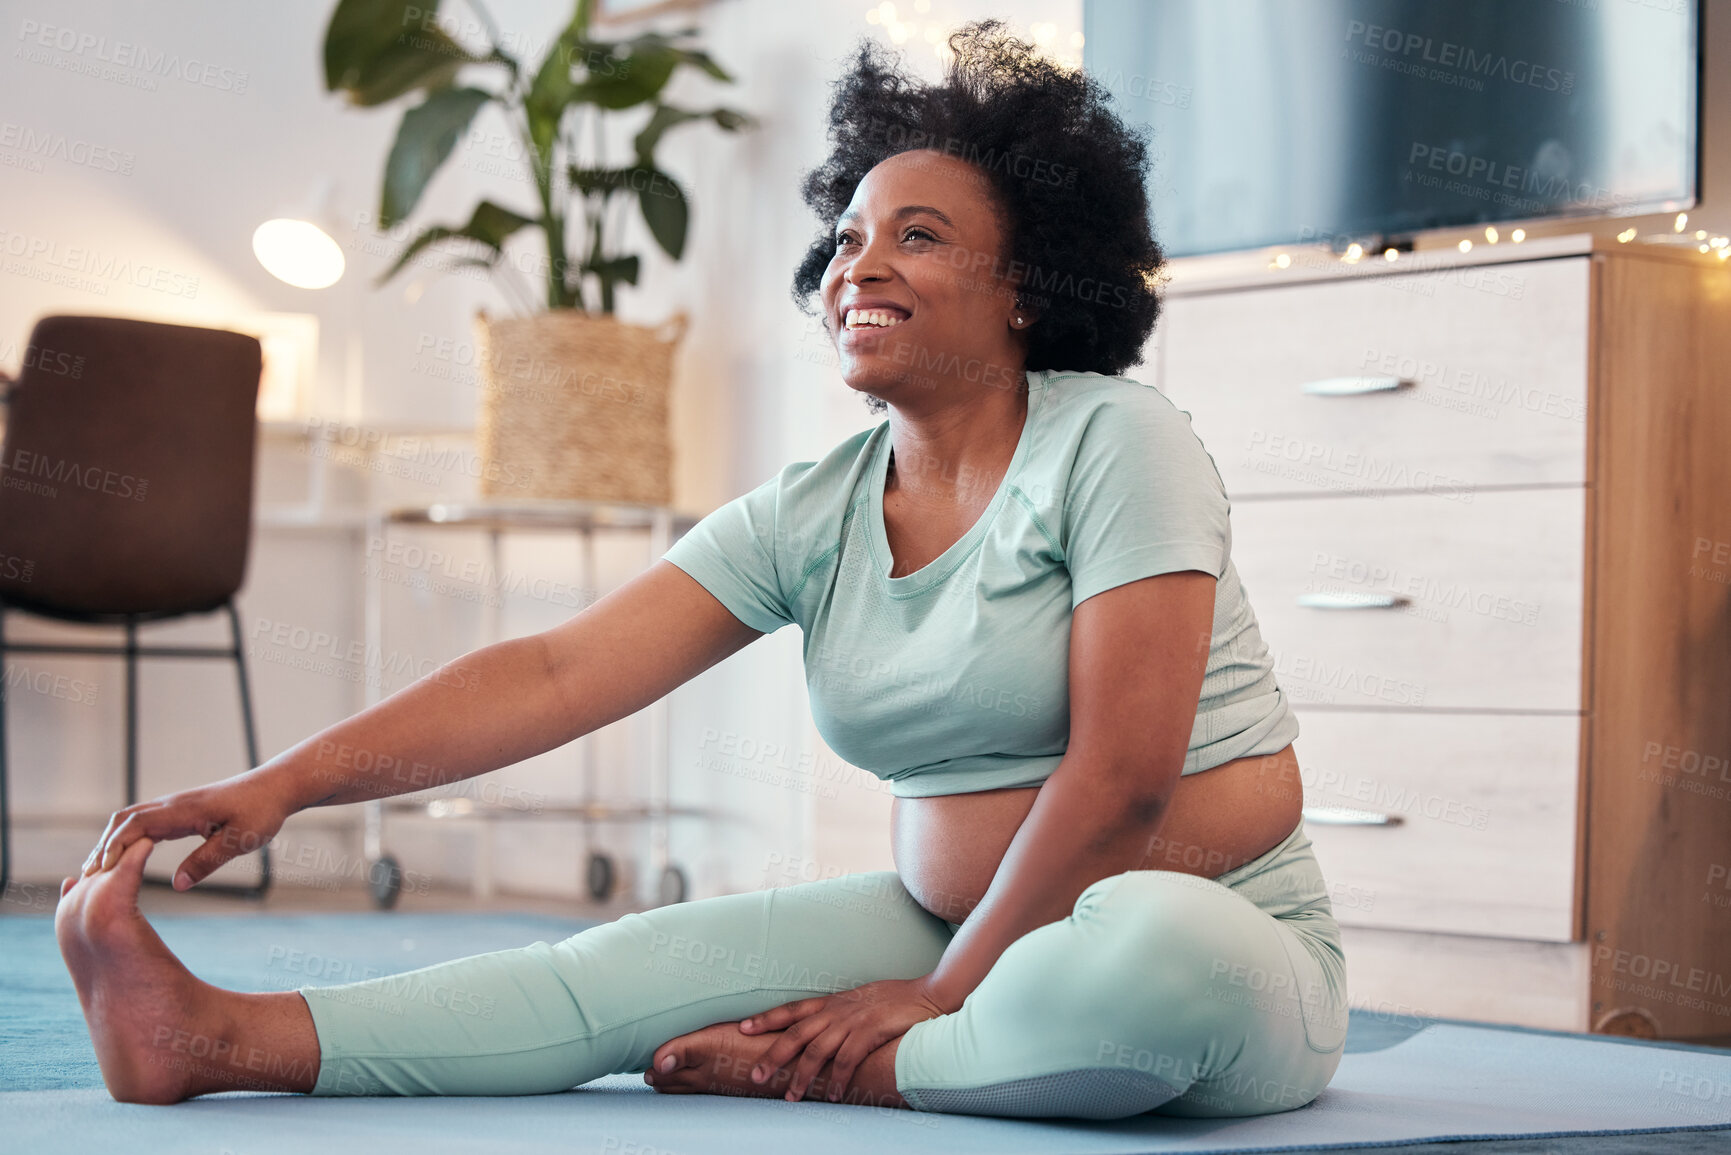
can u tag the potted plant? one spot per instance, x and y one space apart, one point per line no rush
574 399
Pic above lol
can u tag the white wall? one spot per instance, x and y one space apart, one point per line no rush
200 164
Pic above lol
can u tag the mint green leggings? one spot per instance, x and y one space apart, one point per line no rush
1162 991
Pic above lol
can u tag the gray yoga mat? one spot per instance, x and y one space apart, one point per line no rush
1446 1081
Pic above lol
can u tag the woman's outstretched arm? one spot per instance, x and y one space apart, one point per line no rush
490 708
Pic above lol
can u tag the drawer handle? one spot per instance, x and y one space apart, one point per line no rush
1347 816
1352 386
1352 601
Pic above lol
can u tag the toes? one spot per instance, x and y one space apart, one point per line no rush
131 864
126 876
673 1079
665 1066
66 885
111 898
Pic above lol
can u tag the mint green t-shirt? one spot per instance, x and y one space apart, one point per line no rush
955 678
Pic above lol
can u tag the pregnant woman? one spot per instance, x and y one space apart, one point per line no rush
1019 608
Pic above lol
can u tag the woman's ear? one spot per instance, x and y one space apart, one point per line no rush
1022 314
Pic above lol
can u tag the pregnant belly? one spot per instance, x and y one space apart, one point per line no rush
947 849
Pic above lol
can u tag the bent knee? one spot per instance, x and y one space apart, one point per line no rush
1160 903
1175 932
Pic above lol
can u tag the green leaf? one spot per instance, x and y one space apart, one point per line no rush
666 116
361 29
589 181
693 56
665 211
665 208
427 135
614 81
639 77
428 60
663 118
500 56
553 90
489 225
614 270
427 237
548 95
579 26
702 60
492 225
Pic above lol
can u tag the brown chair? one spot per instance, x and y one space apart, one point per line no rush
126 480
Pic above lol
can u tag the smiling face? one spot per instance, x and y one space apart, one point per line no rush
916 297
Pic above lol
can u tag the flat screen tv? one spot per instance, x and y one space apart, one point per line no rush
1292 121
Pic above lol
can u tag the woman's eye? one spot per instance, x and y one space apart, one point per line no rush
924 234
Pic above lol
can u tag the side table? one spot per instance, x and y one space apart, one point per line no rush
585 518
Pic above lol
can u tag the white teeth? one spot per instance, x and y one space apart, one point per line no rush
882 318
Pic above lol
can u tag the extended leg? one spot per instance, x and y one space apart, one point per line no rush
545 1017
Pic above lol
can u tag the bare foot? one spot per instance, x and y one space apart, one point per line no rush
717 1060
161 1034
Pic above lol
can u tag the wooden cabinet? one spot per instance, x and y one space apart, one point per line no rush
1494 371
1407 600
1482 509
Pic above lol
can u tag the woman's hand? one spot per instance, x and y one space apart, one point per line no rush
847 1026
235 816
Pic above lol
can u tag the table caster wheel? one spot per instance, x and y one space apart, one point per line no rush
385 880
601 875
673 886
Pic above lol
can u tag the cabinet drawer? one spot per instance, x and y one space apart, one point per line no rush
1496 360
1487 803
1474 604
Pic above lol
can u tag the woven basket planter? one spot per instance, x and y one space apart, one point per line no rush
575 406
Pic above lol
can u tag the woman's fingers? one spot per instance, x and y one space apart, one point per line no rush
114 820
159 823
850 1055
816 1054
122 836
233 817
223 844
776 1018
792 1042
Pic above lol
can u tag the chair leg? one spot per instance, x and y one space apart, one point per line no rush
131 662
5 813
245 692
131 711
251 735
238 653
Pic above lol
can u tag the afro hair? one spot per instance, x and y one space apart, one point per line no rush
1069 177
